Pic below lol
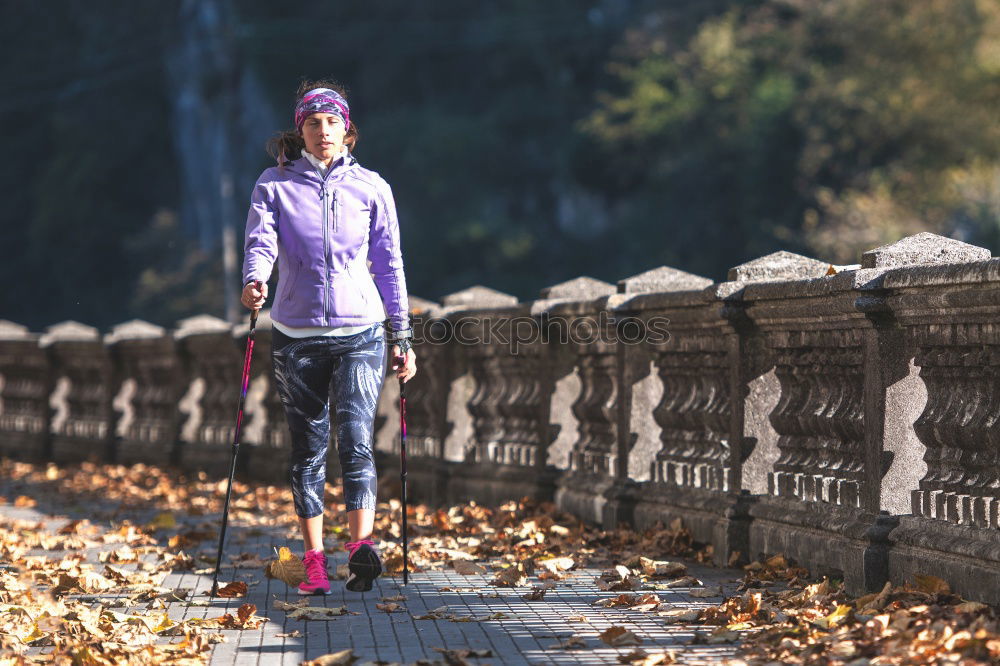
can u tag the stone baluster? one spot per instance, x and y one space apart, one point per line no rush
148 385
213 367
83 422
25 387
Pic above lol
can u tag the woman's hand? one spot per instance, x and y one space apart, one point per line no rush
409 366
254 295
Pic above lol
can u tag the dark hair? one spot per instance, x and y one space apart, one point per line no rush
289 143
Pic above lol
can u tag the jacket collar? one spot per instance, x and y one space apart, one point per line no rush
303 167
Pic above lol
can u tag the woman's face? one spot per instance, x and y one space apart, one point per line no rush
324 135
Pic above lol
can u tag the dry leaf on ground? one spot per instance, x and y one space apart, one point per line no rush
510 577
680 615
570 643
317 613
287 568
235 589
617 636
467 567
341 658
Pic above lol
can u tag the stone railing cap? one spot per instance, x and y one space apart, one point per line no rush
135 329
581 288
201 325
10 330
663 278
69 331
477 296
779 265
923 248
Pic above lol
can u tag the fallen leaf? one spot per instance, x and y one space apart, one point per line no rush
571 643
617 636
557 565
287 568
684 581
390 607
678 615
467 568
536 594
971 607
932 585
776 562
235 589
722 635
662 568
706 592
640 657
510 577
163 521
458 657
335 659
841 613
317 613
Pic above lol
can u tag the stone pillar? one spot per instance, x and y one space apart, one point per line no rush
579 323
213 367
942 450
474 390
83 422
676 403
25 387
147 385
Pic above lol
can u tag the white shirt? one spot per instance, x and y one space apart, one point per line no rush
309 331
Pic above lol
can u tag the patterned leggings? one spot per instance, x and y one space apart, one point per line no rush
308 372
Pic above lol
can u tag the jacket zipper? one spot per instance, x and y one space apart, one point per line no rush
326 252
336 204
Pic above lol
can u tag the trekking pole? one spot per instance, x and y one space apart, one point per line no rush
401 360
236 447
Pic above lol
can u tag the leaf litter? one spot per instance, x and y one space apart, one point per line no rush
778 615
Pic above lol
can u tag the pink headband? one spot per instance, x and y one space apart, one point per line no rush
322 100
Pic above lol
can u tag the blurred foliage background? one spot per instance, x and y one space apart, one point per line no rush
526 142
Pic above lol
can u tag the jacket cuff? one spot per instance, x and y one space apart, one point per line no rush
394 335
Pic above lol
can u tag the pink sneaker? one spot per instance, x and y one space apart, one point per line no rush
319 579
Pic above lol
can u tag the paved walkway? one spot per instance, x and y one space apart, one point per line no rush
513 630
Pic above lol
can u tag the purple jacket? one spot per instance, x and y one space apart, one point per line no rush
323 232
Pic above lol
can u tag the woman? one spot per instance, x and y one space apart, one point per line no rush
331 226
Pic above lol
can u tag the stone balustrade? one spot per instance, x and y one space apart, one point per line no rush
843 416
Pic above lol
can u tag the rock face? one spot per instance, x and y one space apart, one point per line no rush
846 420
